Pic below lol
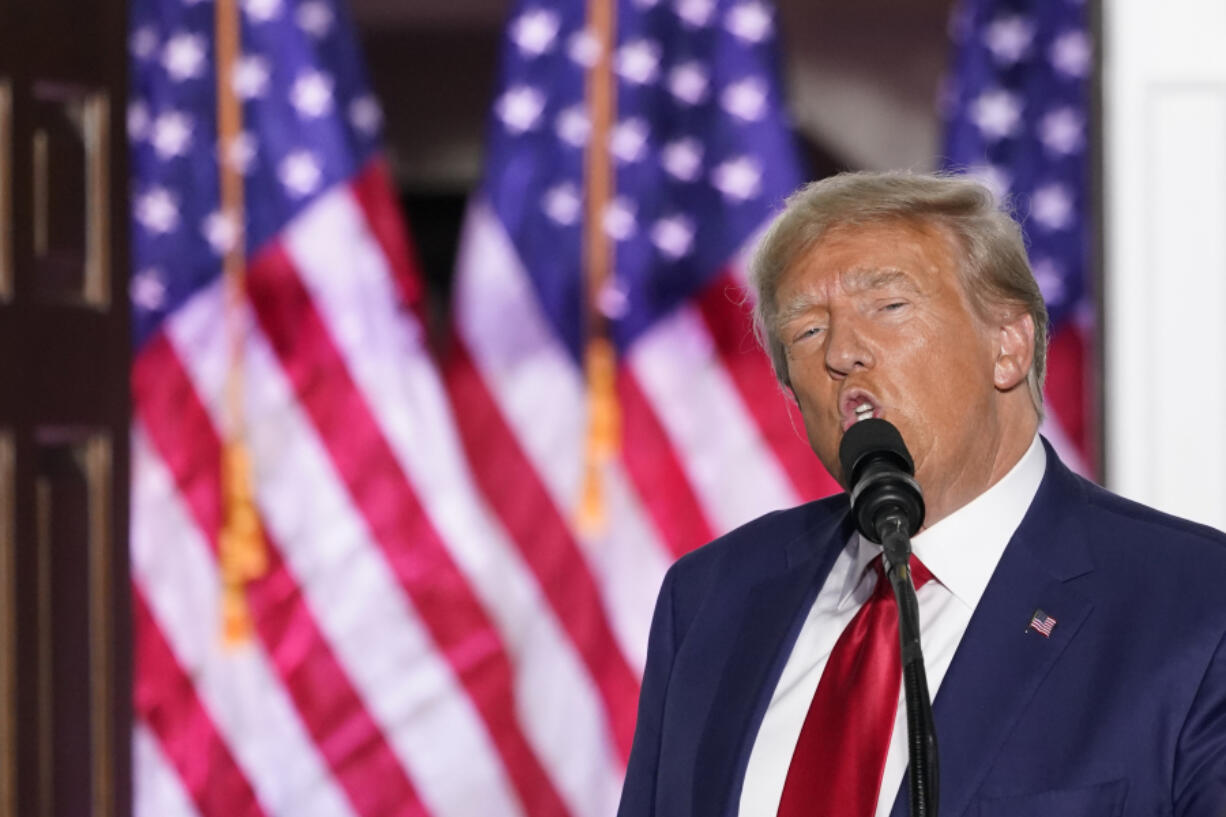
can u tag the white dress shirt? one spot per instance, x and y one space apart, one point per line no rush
961 551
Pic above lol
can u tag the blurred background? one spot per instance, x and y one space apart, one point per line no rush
364 366
861 83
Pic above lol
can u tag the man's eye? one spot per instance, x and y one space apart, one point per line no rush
894 306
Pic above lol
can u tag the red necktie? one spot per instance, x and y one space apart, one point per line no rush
840 756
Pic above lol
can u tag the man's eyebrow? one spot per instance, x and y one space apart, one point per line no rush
865 279
794 308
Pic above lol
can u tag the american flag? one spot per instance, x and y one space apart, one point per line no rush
1017 111
432 633
700 156
1041 623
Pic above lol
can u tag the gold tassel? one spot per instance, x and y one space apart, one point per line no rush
603 432
243 556
600 359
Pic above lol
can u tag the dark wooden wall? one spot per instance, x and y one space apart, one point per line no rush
64 633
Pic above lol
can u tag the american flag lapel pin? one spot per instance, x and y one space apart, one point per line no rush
1041 623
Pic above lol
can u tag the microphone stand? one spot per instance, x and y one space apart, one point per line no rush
921 732
887 502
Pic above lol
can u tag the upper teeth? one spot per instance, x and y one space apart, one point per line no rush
864 411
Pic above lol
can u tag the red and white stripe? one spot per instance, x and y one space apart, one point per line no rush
434 636
338 569
680 371
238 693
1068 423
159 791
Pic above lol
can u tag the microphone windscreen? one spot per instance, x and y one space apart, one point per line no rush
872 436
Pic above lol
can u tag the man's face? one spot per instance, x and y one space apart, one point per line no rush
875 321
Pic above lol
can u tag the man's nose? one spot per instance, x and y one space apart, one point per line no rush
846 350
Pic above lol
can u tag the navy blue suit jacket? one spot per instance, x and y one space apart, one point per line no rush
1122 711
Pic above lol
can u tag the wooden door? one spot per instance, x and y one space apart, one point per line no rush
64 349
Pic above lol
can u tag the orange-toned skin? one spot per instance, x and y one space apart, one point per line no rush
880 311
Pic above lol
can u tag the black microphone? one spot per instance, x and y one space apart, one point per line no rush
889 509
880 475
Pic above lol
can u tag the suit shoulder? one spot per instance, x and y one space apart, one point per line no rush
1154 558
1134 519
742 550
728 566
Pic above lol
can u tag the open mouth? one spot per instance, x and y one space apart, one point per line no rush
857 405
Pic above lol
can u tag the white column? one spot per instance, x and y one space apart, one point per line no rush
1164 95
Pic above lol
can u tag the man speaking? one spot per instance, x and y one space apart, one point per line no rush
1073 640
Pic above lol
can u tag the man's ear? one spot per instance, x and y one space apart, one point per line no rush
1014 351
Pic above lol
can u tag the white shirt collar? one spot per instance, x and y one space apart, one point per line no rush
962 549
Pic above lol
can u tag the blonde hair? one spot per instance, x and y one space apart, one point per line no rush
994 269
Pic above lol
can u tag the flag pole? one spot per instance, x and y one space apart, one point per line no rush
241 544
600 359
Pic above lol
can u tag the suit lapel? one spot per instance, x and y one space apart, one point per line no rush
772 614
1000 662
